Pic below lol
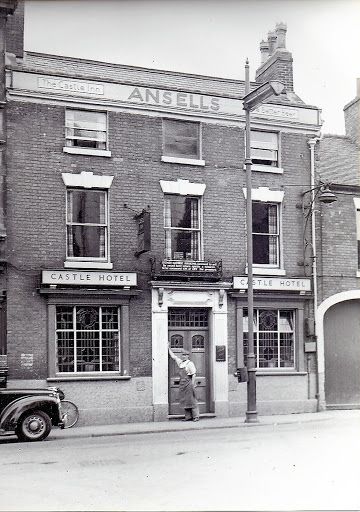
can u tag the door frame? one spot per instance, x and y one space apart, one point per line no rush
212 297
188 329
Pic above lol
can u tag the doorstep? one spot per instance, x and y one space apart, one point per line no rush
202 415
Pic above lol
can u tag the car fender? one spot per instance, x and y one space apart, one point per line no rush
13 411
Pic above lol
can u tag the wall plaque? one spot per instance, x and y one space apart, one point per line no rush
220 353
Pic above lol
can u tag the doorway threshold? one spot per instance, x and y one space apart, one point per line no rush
181 416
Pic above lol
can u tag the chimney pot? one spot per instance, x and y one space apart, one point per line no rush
264 51
271 42
280 30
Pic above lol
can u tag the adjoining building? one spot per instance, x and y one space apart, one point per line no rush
338 235
126 232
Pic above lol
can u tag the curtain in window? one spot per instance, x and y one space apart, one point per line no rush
194 225
70 234
102 213
273 240
167 222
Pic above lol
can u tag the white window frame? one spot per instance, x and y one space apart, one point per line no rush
187 188
257 337
84 150
178 159
199 230
100 331
275 169
263 194
86 181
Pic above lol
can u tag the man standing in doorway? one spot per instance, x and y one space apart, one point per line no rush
187 396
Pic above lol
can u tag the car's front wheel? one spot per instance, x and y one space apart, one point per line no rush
33 426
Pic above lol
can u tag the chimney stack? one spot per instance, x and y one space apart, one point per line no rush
271 42
276 60
264 51
280 31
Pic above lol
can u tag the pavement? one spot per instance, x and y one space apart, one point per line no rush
205 423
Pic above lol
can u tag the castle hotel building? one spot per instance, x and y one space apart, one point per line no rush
126 231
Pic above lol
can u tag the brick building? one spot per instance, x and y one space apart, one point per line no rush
126 230
338 229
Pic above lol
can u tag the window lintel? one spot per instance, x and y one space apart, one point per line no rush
87 180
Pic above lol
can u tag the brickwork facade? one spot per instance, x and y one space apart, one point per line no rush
138 175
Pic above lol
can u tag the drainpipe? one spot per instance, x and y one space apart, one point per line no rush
312 143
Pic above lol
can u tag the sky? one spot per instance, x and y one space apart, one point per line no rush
210 37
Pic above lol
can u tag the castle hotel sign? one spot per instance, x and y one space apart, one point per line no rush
274 283
88 278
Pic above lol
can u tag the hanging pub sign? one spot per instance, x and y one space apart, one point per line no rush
144 232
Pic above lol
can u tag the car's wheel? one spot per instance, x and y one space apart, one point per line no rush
33 426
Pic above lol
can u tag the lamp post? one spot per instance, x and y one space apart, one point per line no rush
250 101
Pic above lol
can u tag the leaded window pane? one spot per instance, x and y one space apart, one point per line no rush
87 339
188 318
274 338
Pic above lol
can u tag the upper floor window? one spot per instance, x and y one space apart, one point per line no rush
264 148
86 132
266 234
87 224
182 142
182 227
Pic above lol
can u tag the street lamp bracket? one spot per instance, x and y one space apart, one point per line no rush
262 93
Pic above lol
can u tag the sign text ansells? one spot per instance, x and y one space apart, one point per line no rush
274 283
89 278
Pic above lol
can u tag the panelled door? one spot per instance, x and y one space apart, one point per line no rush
188 329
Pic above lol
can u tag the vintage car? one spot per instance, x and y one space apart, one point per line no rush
30 413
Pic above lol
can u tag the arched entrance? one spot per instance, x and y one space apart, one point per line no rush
342 354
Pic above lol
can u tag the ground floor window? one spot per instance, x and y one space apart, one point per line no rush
274 337
87 339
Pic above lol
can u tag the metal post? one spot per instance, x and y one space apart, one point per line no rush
251 413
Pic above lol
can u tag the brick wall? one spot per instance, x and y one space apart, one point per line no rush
36 212
15 31
352 121
277 67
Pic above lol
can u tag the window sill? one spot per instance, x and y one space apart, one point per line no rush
266 168
185 161
264 271
275 373
74 378
88 264
358 273
87 151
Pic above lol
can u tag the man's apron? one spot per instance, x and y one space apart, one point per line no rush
187 396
